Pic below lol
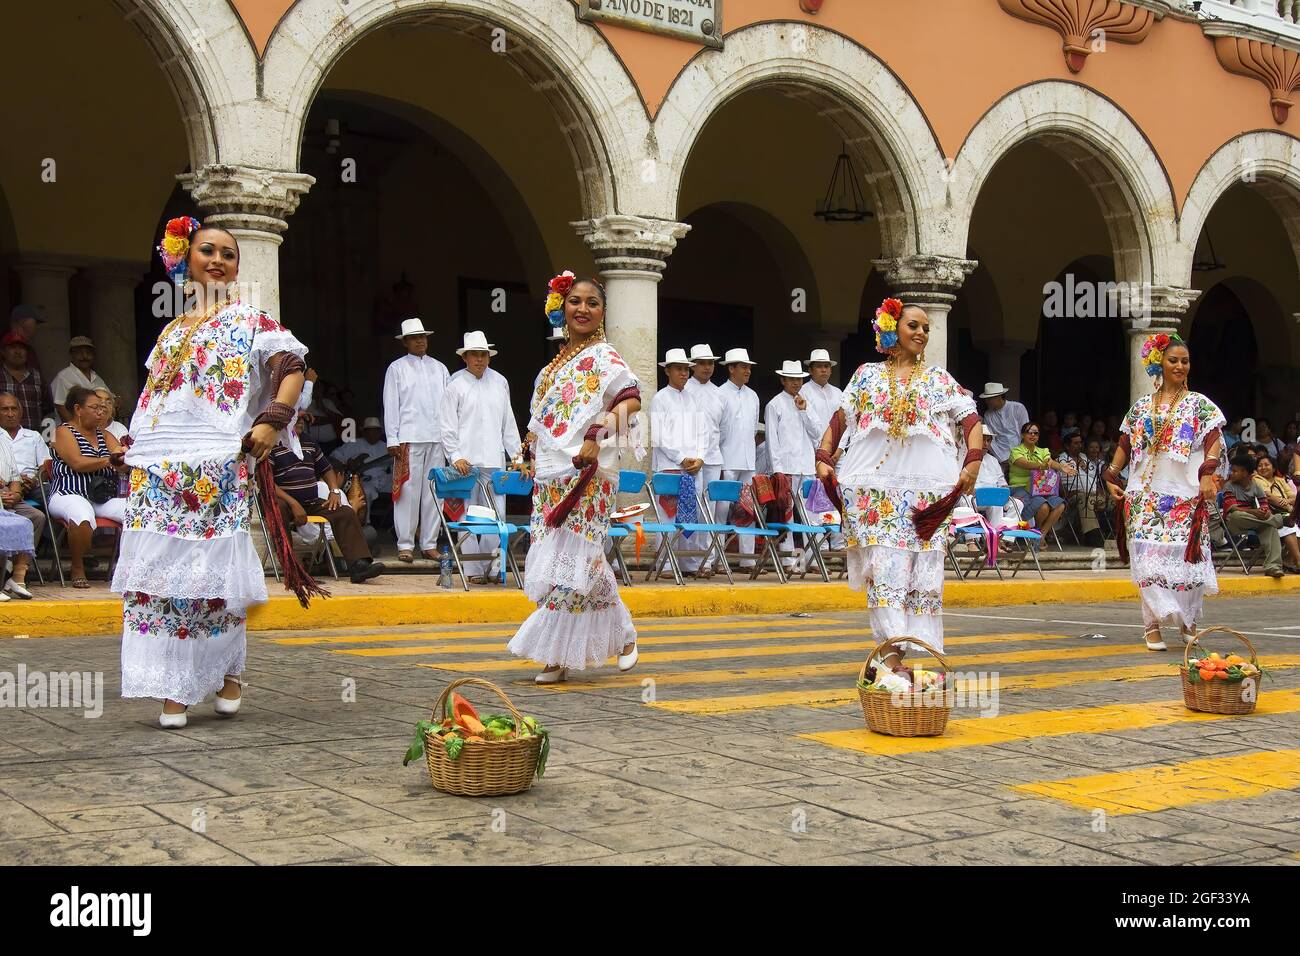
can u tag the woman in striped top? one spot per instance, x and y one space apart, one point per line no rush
82 450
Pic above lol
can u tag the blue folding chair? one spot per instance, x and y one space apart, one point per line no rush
998 498
512 483
821 535
633 483
464 489
1240 545
728 492
668 484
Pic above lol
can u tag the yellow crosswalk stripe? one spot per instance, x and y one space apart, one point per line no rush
964 662
838 696
1206 780
977 731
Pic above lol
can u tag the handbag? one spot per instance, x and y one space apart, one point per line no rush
1044 482
102 488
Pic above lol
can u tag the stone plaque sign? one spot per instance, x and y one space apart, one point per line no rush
699 21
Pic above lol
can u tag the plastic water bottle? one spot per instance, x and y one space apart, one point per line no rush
444 568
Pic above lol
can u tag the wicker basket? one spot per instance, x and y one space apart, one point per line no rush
485 768
914 715
1219 696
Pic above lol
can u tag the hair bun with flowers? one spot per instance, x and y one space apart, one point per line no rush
886 324
175 246
1153 351
556 290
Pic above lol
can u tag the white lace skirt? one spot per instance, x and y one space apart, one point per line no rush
904 592
179 649
580 620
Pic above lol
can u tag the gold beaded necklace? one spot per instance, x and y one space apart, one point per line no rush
157 384
902 404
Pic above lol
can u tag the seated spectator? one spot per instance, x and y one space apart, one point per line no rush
1098 431
1264 437
1290 439
1051 436
297 482
1098 501
1281 496
1245 509
30 453
110 423
80 372
18 530
370 446
86 462
990 476
1070 420
1074 488
24 382
1026 458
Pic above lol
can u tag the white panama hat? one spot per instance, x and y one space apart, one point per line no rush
737 357
480 511
702 353
993 390
791 368
412 327
372 422
820 355
676 357
476 342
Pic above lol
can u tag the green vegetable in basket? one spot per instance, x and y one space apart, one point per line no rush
453 744
1193 674
497 731
416 750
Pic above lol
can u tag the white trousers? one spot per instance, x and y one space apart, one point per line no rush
745 542
78 510
483 543
701 539
414 508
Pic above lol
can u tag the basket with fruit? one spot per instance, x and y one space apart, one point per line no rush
905 701
1215 683
474 756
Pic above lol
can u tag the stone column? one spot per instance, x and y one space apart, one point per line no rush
630 253
253 205
112 326
932 283
1004 363
1162 312
44 283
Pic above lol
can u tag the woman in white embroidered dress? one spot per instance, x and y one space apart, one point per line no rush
1174 439
188 570
900 415
582 396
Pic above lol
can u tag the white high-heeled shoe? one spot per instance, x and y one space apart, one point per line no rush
172 721
552 677
1158 644
628 661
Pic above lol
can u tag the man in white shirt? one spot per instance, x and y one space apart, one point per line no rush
792 436
377 479
740 407
1005 417
823 400
414 386
708 402
680 442
479 430
81 372
28 452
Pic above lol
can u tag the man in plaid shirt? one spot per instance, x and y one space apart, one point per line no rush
1246 509
24 382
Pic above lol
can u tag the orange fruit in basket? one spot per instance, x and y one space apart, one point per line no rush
1206 675
1221 674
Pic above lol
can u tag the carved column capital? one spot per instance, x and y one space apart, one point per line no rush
246 198
630 243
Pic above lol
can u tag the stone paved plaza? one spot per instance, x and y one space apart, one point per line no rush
736 740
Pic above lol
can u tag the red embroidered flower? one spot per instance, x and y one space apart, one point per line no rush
561 428
548 421
268 324
591 512
209 531
233 388
602 505
216 604
182 632
873 516
587 364
191 500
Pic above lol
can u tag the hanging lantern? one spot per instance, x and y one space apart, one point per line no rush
843 202
1212 264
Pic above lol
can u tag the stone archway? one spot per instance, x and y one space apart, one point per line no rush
1266 161
595 101
1109 151
884 128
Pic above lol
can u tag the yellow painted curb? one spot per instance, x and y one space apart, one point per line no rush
91 617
